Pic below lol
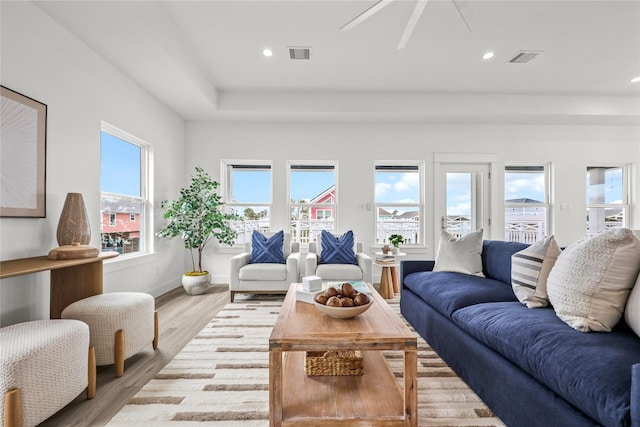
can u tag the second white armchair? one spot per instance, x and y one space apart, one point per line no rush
268 267
341 259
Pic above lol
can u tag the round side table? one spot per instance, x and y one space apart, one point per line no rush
389 283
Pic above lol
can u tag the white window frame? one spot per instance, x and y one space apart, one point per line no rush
311 165
146 188
227 168
420 165
626 194
546 203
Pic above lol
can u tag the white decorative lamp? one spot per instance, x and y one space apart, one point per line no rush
74 231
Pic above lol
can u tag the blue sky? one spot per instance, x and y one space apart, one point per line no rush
120 171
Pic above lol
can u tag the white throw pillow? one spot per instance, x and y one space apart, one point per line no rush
590 282
463 255
530 269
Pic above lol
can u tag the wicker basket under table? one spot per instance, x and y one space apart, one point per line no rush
334 363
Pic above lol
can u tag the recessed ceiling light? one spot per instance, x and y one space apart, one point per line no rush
488 55
635 80
267 52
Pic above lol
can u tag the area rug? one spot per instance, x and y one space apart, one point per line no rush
221 378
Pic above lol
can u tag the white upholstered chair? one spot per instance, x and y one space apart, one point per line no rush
264 278
360 271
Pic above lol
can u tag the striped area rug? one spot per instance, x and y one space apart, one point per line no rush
221 378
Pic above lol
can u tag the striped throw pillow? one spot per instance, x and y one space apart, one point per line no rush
530 269
337 250
267 251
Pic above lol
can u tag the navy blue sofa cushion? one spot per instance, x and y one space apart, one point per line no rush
592 370
448 291
496 258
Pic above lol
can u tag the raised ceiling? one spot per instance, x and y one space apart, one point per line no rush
204 60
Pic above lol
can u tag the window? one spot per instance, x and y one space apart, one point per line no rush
247 190
124 194
398 202
607 198
526 200
312 200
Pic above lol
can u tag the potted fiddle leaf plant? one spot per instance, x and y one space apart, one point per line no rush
197 217
395 240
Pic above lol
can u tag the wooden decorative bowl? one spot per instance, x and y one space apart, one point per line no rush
342 312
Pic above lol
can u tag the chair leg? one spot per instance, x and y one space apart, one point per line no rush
91 388
155 329
119 352
13 408
231 295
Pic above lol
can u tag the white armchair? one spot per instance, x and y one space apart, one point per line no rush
264 278
361 271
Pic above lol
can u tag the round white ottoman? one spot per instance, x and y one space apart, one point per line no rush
44 365
120 323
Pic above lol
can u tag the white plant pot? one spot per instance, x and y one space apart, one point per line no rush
395 250
196 285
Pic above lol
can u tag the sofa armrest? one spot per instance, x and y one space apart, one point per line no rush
413 266
366 264
235 264
635 395
293 267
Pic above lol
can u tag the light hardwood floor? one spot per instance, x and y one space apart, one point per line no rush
181 317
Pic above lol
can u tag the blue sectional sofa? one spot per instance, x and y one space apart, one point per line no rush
527 365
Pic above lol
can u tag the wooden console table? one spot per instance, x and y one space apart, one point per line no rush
71 279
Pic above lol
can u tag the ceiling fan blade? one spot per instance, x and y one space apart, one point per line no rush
411 25
464 21
365 15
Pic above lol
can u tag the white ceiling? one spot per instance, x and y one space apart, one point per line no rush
203 58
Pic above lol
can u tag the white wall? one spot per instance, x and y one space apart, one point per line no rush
43 61
356 146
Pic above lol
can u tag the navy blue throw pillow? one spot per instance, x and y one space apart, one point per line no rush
267 251
337 250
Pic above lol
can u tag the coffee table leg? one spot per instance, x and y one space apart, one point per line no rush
275 388
411 388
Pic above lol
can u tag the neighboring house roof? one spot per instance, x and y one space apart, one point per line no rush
323 196
118 206
408 215
524 200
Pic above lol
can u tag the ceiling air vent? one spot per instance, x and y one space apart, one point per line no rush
299 52
524 56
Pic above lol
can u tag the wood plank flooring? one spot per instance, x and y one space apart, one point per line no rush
181 317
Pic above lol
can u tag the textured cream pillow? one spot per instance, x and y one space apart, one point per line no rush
463 255
590 282
530 269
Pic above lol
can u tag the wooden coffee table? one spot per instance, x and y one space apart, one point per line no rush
375 398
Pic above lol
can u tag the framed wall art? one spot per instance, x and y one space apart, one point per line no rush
23 136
